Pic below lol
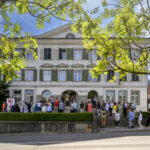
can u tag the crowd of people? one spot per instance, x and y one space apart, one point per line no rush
69 105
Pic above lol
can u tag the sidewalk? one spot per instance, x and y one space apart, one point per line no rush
122 129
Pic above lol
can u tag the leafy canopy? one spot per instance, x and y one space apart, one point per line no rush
13 59
121 43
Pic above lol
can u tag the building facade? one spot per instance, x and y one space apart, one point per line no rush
62 70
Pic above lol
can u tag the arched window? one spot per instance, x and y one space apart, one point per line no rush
70 36
46 94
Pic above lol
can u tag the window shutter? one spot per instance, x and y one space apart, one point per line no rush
35 75
70 54
85 54
85 75
60 53
54 75
69 75
23 75
99 78
47 53
41 74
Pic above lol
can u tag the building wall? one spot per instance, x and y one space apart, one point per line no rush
81 88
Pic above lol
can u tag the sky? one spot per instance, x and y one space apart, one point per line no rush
28 23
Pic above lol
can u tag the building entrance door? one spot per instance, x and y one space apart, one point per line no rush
71 95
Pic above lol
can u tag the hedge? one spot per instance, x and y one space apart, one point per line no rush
145 114
67 117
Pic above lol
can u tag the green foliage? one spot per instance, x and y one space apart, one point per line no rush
68 117
12 35
126 23
3 94
145 114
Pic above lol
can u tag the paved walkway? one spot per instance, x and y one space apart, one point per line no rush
80 141
123 129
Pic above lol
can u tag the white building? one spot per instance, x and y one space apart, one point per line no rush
62 69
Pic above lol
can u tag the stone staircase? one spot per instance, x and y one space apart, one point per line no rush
110 122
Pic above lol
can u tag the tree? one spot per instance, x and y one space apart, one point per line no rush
12 59
122 44
3 92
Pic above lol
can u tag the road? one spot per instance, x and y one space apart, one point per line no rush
135 140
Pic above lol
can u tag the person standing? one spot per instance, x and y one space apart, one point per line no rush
67 106
52 101
89 107
114 108
125 109
140 118
61 106
117 119
75 106
119 108
131 118
82 107
36 109
103 118
110 108
107 109
3 106
148 120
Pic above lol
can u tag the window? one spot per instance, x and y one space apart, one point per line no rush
70 36
62 75
29 56
135 97
77 54
46 94
20 52
47 75
90 78
19 74
29 75
122 96
110 96
77 75
135 54
29 95
47 53
92 55
62 54
110 75
135 77
17 96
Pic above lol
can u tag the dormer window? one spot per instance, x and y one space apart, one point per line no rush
70 36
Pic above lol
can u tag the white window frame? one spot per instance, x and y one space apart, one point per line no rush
121 95
61 75
77 54
47 76
93 55
91 79
135 98
28 96
17 96
77 76
29 77
29 56
109 96
19 74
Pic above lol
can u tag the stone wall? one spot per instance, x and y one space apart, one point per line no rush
15 127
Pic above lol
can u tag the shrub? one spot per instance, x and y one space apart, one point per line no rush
67 117
145 114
